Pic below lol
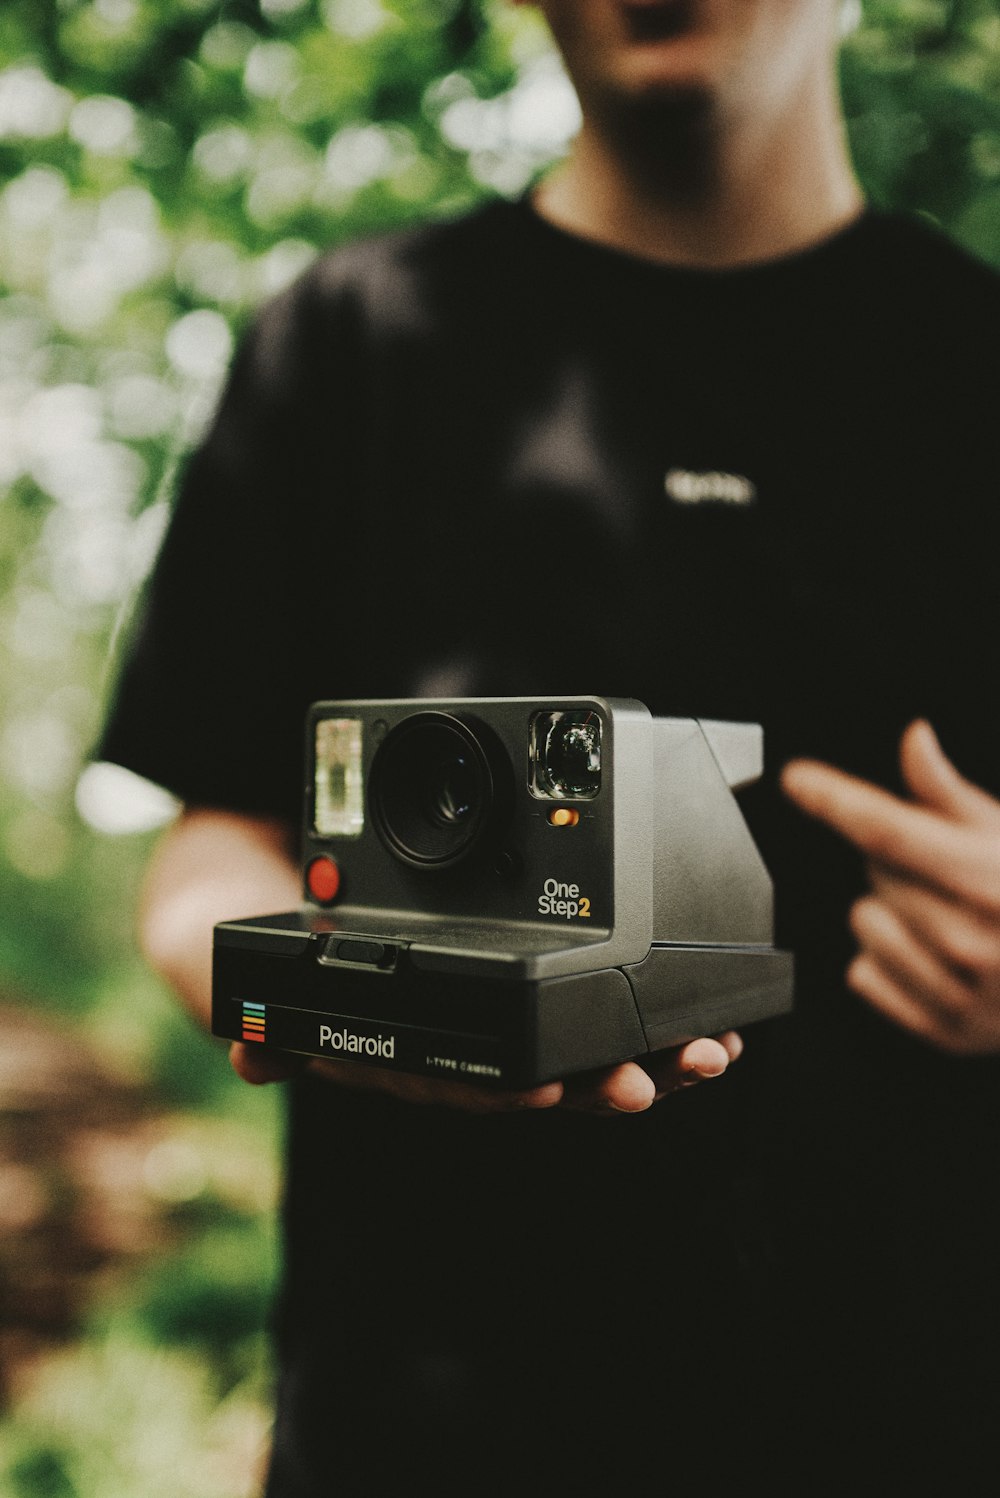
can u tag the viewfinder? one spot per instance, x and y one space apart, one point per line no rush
566 755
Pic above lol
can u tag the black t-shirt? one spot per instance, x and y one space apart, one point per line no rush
490 458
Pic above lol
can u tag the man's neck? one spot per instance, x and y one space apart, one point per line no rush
704 193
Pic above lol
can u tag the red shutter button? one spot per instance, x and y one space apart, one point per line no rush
323 880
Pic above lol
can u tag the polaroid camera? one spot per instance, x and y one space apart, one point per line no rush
504 891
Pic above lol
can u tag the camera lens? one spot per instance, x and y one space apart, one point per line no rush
432 790
566 755
449 791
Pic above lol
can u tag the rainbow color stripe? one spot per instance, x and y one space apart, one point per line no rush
254 1020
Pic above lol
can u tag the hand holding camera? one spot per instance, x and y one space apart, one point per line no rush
617 1090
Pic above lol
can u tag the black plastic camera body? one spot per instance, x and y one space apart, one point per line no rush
509 890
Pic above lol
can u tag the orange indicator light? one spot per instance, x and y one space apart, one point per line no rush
564 816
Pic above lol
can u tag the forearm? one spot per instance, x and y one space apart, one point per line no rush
210 866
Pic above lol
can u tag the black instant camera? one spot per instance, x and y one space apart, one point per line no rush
508 890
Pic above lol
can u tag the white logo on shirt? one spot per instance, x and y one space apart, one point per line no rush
687 488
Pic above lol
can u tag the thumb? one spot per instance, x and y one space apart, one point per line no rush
261 1066
935 782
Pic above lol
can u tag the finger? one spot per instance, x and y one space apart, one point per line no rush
636 1085
933 779
967 944
880 989
905 837
618 1089
699 1061
913 967
732 1043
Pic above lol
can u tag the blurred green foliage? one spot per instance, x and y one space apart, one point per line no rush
165 165
921 88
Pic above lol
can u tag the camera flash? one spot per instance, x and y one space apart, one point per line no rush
338 801
563 816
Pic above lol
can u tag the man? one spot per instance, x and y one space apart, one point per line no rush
491 432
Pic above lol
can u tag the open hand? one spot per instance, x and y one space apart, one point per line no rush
611 1091
929 930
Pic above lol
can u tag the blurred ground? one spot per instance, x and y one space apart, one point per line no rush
73 1202
127 1335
